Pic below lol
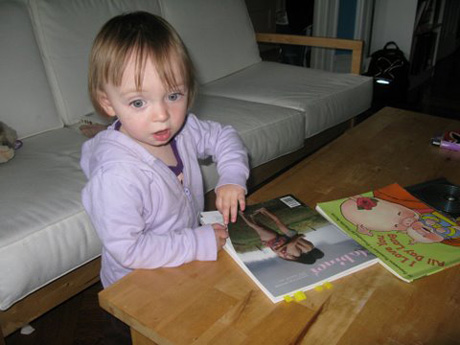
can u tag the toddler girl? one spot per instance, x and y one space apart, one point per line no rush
145 189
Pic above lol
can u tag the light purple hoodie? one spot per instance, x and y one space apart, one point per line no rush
143 215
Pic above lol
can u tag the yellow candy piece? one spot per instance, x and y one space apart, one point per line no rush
328 285
299 296
288 298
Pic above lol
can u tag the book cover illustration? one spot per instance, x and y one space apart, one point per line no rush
411 238
285 247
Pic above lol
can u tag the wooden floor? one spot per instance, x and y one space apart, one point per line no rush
76 322
80 320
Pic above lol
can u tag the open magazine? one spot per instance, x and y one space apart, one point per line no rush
410 238
285 247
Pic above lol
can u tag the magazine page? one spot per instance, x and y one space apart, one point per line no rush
285 247
411 238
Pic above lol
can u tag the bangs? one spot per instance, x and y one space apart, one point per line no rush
145 37
171 62
169 67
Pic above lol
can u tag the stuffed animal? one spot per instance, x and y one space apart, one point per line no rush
8 142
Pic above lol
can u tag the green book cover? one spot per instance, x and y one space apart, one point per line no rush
410 238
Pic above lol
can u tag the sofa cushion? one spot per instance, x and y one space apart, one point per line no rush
268 131
45 232
218 34
326 98
65 32
26 102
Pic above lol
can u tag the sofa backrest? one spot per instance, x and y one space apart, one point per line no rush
218 34
65 30
26 102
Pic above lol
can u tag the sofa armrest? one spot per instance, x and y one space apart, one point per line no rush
355 46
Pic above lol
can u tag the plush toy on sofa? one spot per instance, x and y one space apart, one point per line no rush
8 142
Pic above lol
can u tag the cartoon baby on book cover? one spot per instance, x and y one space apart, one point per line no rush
393 209
411 238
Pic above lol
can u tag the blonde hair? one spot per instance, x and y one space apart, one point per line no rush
147 36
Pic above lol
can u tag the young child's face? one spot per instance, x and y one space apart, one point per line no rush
151 115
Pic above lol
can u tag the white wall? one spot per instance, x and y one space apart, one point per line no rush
393 21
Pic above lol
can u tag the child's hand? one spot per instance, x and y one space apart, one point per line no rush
228 197
221 235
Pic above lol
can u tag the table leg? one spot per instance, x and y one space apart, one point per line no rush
2 340
139 339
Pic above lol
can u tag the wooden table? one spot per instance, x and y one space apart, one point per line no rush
216 303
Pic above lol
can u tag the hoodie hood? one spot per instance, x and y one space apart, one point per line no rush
109 147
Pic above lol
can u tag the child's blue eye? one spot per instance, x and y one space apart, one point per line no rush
174 96
138 103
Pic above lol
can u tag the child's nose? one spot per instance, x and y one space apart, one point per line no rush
160 113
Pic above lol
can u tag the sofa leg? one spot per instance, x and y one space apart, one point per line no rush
352 122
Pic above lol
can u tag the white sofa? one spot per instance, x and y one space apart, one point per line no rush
48 248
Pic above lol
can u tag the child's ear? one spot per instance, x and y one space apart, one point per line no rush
105 103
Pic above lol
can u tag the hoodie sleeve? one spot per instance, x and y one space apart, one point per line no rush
117 207
226 148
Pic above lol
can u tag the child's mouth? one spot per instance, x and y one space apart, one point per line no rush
163 135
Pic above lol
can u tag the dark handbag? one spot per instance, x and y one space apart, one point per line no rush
390 70
389 64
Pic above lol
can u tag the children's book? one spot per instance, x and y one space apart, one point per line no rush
287 248
410 238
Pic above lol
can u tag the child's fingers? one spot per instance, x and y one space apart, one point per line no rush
219 227
234 211
229 199
238 203
242 202
220 207
221 235
225 208
225 213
